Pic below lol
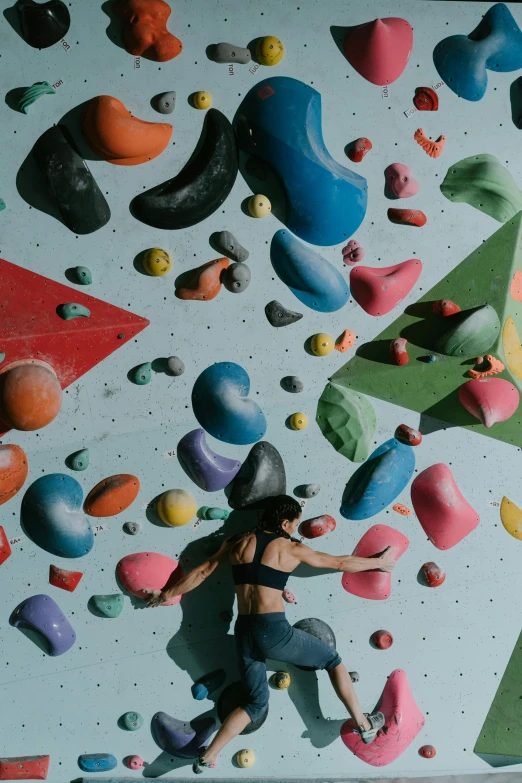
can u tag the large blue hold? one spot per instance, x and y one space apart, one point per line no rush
222 406
52 516
309 276
97 762
379 480
279 121
182 738
494 45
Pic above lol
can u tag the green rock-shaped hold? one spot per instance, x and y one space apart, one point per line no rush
72 310
31 94
108 605
79 460
142 374
469 333
132 721
347 420
211 512
484 183
83 275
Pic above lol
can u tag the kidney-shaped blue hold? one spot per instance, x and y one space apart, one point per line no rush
379 480
222 406
42 614
97 762
52 516
309 276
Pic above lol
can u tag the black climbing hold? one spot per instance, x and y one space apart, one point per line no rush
43 24
261 475
226 243
236 278
200 187
280 316
132 528
320 630
292 384
235 695
81 203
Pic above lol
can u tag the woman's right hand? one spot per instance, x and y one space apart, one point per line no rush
386 560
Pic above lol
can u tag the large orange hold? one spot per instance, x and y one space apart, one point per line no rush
112 495
202 283
119 137
30 395
13 471
145 30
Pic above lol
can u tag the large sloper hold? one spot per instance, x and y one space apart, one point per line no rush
309 276
379 50
379 290
24 767
279 121
375 585
112 495
494 45
201 186
320 630
484 183
80 201
262 475
403 721
43 24
236 695
347 420
488 274
379 480
145 31
144 571
41 614
489 399
222 406
183 739
469 333
210 471
31 94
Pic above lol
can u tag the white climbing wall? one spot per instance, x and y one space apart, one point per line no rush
453 642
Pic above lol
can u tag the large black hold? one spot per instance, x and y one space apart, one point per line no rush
201 186
261 475
320 630
43 24
81 203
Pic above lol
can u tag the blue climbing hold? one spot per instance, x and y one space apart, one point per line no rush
279 121
309 276
222 406
97 762
42 615
494 45
379 480
52 516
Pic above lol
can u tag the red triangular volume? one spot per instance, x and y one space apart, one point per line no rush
30 327
5 546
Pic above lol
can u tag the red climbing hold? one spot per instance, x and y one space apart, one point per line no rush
5 546
317 526
489 399
24 768
433 574
379 290
379 50
67 580
402 510
408 435
426 99
382 640
427 752
375 585
134 762
202 283
358 149
352 252
407 217
398 352
445 307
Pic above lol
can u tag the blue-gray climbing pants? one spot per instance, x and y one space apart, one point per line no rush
262 636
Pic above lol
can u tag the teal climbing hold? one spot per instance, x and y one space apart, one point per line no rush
79 460
72 310
2 204
210 512
132 721
108 605
142 374
83 275
2 356
31 94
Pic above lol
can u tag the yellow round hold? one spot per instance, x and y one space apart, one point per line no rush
322 344
298 421
245 758
269 50
176 507
202 99
157 262
281 680
511 516
259 206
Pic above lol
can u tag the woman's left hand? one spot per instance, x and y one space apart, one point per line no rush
154 598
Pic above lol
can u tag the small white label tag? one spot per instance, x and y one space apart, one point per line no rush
254 68
169 454
59 83
230 70
99 528
410 111
494 503
146 505
65 45
17 540
137 62
385 92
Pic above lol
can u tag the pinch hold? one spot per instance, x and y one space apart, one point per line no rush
431 148
398 352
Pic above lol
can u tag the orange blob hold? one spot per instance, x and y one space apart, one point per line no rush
408 435
358 149
112 495
431 148
118 137
30 395
5 546
204 282
13 471
403 510
493 367
145 31
445 307
427 751
516 286
66 580
398 352
433 574
345 341
407 217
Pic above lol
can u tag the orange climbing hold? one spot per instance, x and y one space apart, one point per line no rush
427 752
433 574
5 546
13 471
112 495
407 217
398 352
445 307
403 510
145 31
345 341
116 136
30 395
66 580
516 286
426 99
408 435
431 148
492 367
204 282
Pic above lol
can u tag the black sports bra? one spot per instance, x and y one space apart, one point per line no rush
256 573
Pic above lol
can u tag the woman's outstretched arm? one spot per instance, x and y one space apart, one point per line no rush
382 561
191 580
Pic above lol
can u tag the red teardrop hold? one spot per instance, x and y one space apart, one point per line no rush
381 639
5 546
445 307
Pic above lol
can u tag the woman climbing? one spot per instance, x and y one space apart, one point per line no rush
262 560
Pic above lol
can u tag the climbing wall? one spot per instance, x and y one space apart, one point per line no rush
453 643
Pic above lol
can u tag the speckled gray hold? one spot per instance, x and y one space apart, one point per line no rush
175 365
307 491
132 528
262 475
280 316
165 102
292 384
236 278
226 242
228 53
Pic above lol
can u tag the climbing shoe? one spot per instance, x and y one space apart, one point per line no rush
376 721
199 765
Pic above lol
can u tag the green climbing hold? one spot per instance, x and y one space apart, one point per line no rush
211 512
72 310
31 94
3 205
484 183
2 356
83 275
347 420
469 333
142 374
132 721
108 605
79 460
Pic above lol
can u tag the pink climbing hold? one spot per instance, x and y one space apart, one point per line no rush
404 721
445 307
358 149
382 640
375 585
289 597
427 751
134 762
379 289
445 515
433 574
398 352
379 50
408 435
145 571
399 180
353 252
317 526
489 399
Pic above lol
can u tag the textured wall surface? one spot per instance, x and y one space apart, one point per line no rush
453 642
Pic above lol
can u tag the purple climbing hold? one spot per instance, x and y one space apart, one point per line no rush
40 613
208 470
181 738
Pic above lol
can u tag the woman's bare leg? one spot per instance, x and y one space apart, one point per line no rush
233 725
343 686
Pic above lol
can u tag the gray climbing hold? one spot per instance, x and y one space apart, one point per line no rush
83 275
261 475
165 102
108 605
228 53
307 491
280 316
72 310
132 528
236 278
141 374
132 721
79 460
175 365
226 242
292 384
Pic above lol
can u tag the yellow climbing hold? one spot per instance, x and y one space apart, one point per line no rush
259 206
202 99
269 50
511 516
281 680
157 262
176 507
512 347
245 758
298 421
321 344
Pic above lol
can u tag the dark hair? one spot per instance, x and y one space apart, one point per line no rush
277 509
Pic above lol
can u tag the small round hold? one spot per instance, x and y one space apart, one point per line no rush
134 762
79 460
237 278
298 421
431 358
132 528
211 512
354 676
321 344
72 310
269 50
259 206
202 99
142 374
175 365
427 751
382 640
83 275
165 102
292 384
157 262
132 721
307 491
245 758
281 680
